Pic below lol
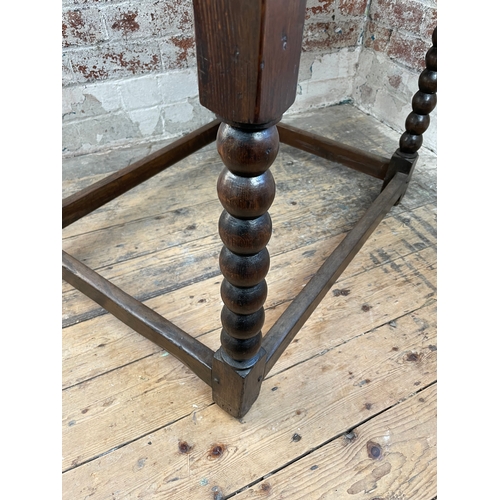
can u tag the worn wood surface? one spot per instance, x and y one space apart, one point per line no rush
104 190
133 313
367 462
249 53
358 159
138 424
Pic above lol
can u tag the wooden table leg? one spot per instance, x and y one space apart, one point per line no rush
423 102
248 60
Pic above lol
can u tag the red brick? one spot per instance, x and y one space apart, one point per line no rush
352 7
67 72
326 10
399 14
430 22
124 22
86 2
327 36
377 37
320 9
115 61
82 27
174 16
408 50
178 52
186 47
149 19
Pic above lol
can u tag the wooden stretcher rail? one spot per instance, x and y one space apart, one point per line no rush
250 97
359 160
195 355
291 321
98 194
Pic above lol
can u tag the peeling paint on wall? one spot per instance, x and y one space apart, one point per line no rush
129 69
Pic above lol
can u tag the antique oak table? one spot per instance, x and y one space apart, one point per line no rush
248 54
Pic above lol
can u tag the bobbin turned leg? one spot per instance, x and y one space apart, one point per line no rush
246 190
248 55
417 122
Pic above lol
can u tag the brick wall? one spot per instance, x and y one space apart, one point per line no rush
129 67
397 37
331 45
128 73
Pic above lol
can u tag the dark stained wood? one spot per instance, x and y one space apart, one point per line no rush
423 102
248 61
246 190
291 321
368 163
248 55
236 390
140 318
87 200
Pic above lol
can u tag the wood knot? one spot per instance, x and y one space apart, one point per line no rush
184 447
216 451
265 488
413 357
374 450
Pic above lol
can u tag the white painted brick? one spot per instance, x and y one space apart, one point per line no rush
84 101
101 132
178 86
107 61
106 93
82 27
184 117
144 84
430 135
148 120
148 18
140 92
67 73
180 112
340 64
71 141
391 106
321 93
374 94
305 69
71 97
178 51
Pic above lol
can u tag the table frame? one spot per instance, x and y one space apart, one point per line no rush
248 146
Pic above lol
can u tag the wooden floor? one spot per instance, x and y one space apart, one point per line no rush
348 412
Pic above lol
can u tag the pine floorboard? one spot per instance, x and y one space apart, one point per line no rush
349 410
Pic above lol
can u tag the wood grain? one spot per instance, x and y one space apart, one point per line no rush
129 253
249 52
209 448
102 343
92 197
138 424
392 456
361 310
